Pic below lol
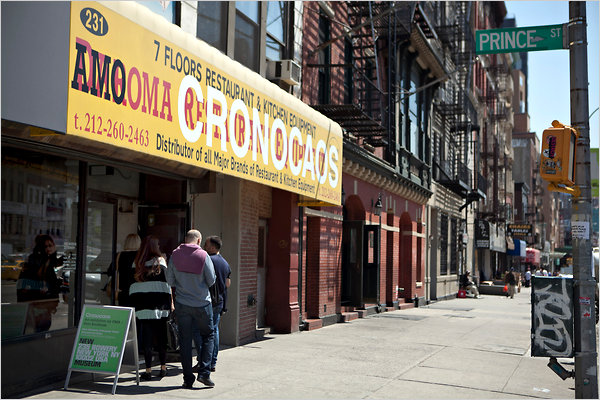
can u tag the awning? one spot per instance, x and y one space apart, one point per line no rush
518 248
557 254
533 256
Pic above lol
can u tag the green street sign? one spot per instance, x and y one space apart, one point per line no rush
514 40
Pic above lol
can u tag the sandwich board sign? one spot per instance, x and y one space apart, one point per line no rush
101 341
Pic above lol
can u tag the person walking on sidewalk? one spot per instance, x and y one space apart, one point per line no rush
511 281
223 271
191 273
528 277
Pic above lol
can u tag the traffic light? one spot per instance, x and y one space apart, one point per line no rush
558 158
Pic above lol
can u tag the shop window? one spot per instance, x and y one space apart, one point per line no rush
212 23
35 296
247 34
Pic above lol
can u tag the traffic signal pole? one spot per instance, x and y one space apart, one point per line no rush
586 356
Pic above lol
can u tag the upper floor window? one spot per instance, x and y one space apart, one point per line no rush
276 33
324 59
251 32
166 9
247 18
212 23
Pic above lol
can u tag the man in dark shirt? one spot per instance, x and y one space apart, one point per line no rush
223 271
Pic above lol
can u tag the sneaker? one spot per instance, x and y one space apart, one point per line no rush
146 376
162 373
206 381
189 385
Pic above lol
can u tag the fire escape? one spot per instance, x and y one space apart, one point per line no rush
367 113
456 107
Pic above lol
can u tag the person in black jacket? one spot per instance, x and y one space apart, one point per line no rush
38 284
123 275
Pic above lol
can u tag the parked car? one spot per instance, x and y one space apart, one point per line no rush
11 267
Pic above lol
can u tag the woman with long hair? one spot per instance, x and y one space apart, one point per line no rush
38 283
150 294
124 275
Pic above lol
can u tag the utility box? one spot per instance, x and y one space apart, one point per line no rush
552 317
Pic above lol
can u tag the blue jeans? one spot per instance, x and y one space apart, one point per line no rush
195 323
216 318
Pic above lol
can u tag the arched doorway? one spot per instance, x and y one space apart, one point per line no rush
355 248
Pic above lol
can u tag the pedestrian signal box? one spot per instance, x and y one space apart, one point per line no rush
558 158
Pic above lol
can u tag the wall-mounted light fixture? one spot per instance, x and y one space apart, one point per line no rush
378 206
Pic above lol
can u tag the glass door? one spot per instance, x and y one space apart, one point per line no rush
100 248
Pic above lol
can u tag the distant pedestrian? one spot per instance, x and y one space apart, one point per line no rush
468 284
544 272
528 277
191 273
511 282
150 294
538 272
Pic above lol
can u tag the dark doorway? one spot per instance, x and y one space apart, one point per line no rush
163 211
371 239
352 264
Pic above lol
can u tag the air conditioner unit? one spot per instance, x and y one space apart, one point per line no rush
285 70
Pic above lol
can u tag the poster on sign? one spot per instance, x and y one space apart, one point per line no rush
101 340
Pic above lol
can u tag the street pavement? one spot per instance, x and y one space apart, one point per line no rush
455 349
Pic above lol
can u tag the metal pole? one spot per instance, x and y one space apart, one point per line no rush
586 374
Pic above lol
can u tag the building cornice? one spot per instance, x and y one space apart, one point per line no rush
363 165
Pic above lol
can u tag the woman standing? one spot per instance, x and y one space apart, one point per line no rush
38 283
150 294
124 275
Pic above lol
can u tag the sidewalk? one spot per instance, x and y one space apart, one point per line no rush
461 348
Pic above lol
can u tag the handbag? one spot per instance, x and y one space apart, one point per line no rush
505 288
172 334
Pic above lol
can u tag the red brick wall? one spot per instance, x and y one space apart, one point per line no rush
282 264
323 266
310 79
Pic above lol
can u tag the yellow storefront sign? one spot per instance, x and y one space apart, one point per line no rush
140 83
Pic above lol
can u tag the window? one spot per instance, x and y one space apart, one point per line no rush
443 244
49 208
413 114
276 33
324 58
212 23
453 246
255 33
247 34
165 9
348 84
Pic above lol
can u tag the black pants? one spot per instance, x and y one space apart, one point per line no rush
154 328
